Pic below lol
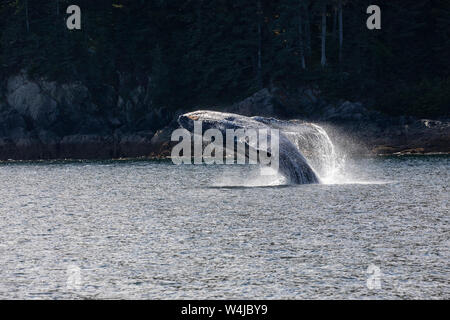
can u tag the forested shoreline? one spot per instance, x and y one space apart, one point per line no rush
115 87
199 52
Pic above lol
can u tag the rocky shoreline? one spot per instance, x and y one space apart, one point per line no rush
47 120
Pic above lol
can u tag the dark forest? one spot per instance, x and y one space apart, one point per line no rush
216 52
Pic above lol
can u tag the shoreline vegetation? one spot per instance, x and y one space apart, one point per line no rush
115 87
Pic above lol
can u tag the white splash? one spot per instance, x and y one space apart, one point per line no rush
327 161
315 144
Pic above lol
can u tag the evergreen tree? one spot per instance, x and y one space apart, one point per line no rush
198 52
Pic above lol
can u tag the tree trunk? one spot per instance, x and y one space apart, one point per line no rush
300 35
57 7
26 16
199 14
259 67
341 31
335 22
323 60
307 32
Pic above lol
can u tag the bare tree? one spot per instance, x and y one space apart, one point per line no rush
323 60
300 35
260 22
199 13
335 23
307 29
341 30
26 16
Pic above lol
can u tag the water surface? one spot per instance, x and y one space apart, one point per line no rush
150 230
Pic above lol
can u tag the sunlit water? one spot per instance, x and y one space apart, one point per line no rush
142 229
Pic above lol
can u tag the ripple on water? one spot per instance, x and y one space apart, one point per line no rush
142 229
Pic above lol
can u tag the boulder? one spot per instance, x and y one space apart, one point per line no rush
10 120
63 120
45 103
93 125
262 103
346 111
29 100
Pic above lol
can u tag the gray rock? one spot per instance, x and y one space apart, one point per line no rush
346 111
10 120
162 136
28 99
48 138
114 122
261 103
93 125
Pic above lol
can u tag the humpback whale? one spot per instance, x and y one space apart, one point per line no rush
292 164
